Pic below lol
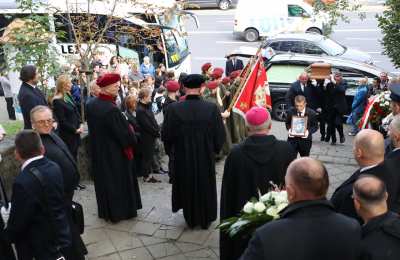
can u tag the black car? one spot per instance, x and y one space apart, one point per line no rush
284 69
221 4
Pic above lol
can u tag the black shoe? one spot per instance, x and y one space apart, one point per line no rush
342 139
81 186
206 226
327 139
333 143
322 138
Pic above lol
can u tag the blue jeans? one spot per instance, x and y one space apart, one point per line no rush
354 120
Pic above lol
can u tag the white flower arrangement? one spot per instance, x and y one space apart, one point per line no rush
256 213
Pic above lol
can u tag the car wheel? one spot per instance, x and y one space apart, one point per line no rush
224 4
251 35
314 30
279 110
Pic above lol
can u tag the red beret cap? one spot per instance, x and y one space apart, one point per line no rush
257 116
108 79
226 80
206 66
172 86
212 84
217 73
234 74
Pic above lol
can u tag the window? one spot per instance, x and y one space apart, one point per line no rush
274 46
311 48
284 73
296 11
291 46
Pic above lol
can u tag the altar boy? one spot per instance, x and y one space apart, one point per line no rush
304 122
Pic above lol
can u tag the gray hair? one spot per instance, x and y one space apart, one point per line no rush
38 109
395 124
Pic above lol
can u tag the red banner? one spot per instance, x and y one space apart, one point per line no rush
255 91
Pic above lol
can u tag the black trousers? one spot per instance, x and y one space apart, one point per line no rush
322 119
335 122
301 145
10 108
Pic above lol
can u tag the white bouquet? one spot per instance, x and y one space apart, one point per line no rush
256 213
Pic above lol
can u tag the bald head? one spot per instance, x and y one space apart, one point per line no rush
394 131
369 147
308 178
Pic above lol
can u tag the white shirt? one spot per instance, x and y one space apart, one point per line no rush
396 149
31 160
302 113
302 86
367 168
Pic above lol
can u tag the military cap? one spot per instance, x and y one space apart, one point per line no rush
193 81
395 92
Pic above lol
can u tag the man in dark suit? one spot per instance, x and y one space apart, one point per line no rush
309 228
381 231
299 87
233 64
394 135
57 151
301 144
29 94
336 107
38 224
368 151
248 170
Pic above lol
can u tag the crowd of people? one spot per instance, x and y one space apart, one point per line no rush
127 140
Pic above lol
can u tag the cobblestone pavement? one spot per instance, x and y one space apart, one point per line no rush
157 233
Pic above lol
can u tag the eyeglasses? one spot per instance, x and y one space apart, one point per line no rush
44 122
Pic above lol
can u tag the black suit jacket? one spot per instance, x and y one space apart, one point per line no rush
336 97
69 119
36 231
343 201
311 230
230 67
58 152
28 98
295 90
312 122
393 162
381 238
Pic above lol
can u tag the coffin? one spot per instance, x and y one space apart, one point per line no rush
320 70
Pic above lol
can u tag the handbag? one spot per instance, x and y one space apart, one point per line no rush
77 216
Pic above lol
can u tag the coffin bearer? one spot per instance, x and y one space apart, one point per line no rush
249 168
111 143
194 129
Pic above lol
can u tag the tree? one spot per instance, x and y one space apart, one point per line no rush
28 41
336 11
389 22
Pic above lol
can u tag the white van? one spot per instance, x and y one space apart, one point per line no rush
263 18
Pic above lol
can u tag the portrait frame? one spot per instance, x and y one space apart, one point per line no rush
299 126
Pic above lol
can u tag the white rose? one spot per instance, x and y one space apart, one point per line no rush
266 197
259 207
248 208
281 198
273 212
282 206
387 103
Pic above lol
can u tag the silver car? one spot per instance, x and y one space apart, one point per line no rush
314 44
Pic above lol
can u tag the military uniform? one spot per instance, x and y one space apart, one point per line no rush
237 123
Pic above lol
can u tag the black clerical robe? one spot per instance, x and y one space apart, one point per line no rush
111 140
249 168
194 129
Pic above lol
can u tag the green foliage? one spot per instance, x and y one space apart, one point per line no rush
389 22
12 127
32 43
336 12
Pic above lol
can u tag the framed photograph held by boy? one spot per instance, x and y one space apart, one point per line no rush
299 126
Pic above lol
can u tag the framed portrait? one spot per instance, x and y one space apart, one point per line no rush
299 126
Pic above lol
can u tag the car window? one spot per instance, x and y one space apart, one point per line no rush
274 46
311 48
284 73
332 47
292 46
296 11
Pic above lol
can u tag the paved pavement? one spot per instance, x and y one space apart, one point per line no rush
157 233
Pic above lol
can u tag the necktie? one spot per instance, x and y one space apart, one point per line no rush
298 113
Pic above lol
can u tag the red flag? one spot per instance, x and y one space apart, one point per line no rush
255 92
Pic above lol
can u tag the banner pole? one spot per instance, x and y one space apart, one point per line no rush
243 80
